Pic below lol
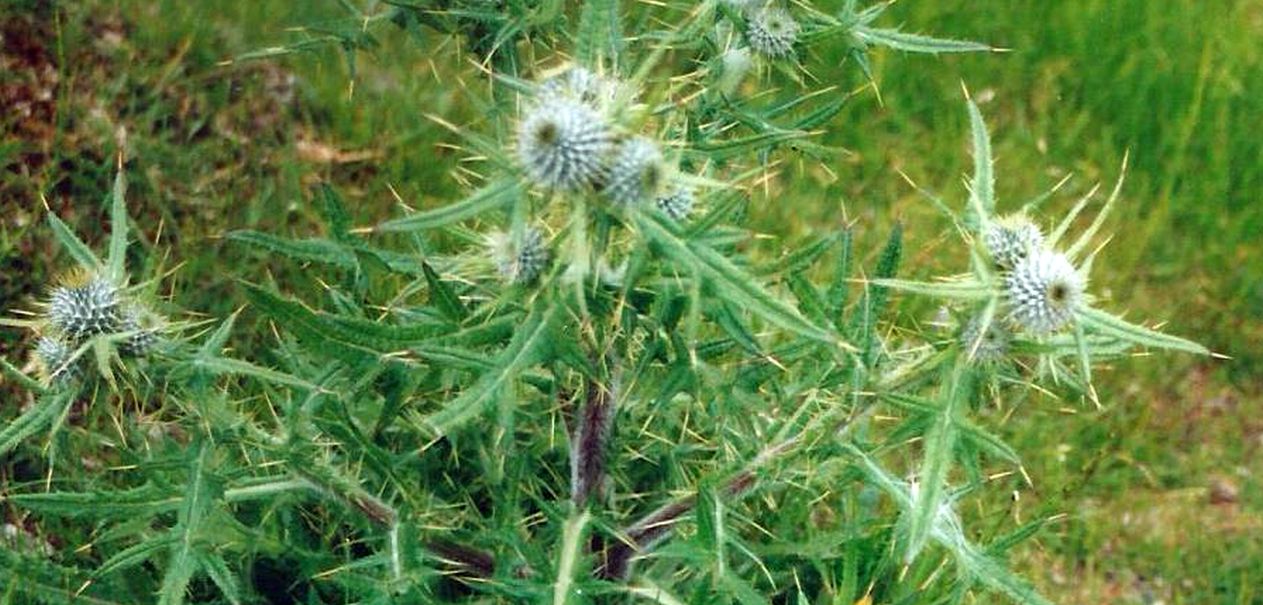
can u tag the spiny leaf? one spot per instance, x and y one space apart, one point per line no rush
599 37
527 347
495 195
568 557
939 445
956 290
1110 325
77 249
916 43
442 293
49 407
732 283
118 229
982 187
199 498
236 367
359 335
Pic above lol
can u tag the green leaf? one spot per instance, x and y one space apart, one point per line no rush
199 498
940 444
314 250
994 575
956 290
20 378
493 196
527 347
441 293
731 283
335 214
916 43
840 287
982 187
118 229
599 37
568 558
1110 325
49 407
355 334
236 367
215 567
77 249
135 554
970 431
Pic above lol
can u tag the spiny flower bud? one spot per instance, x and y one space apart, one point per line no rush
1042 291
84 306
143 337
734 64
678 204
53 358
1011 239
985 347
519 262
638 172
772 32
563 143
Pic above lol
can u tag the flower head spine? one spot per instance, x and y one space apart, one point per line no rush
143 337
563 143
1042 291
638 172
520 262
83 307
985 347
772 32
678 204
54 359
1011 239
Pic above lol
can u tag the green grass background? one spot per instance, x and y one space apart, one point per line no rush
213 147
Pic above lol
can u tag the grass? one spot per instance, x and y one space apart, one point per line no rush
217 147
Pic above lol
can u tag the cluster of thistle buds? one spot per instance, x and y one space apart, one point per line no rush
574 137
1040 285
82 307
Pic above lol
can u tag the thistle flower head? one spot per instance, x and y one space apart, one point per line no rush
772 32
563 143
985 347
1011 239
84 306
638 173
139 322
678 204
53 356
1042 291
519 262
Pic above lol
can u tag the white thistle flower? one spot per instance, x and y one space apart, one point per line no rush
638 172
563 143
772 32
985 347
53 358
519 262
1011 239
678 204
83 307
1042 291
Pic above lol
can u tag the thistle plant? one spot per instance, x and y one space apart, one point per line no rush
645 411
